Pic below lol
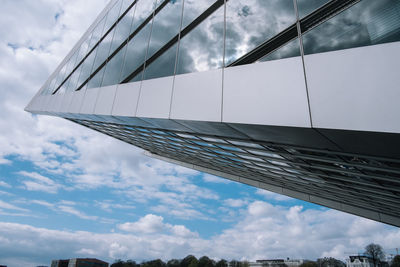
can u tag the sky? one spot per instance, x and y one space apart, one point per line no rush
67 191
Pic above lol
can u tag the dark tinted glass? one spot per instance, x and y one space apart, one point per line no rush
250 23
162 66
306 7
113 69
136 51
166 25
202 48
291 49
368 22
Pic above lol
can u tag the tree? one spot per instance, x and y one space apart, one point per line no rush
221 263
330 262
374 251
206 262
174 263
309 264
395 261
188 260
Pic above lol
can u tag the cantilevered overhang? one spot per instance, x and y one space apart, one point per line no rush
322 128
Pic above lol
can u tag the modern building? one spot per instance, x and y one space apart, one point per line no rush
364 261
79 262
299 97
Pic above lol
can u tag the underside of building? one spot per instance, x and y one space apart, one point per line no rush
298 97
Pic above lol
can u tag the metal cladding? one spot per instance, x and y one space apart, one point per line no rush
294 96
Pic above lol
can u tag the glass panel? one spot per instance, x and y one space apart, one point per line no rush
73 83
250 23
193 9
60 77
125 5
113 68
112 16
143 11
97 33
306 7
86 68
136 51
162 66
102 50
122 30
368 22
291 49
166 25
202 48
96 80
137 78
83 50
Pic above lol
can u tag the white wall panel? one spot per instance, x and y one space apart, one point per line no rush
356 89
66 102
198 96
105 100
269 93
89 101
126 98
155 98
77 100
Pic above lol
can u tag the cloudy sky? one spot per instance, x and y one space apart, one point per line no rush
66 191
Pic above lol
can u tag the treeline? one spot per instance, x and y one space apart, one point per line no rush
188 261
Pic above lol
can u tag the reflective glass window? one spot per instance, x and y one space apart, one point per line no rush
86 68
162 66
250 23
112 15
193 9
291 49
97 33
368 22
122 30
102 50
166 25
96 80
136 51
113 68
306 7
73 83
144 9
202 48
60 77
125 5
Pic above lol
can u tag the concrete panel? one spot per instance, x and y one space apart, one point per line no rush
325 202
89 101
271 188
356 89
296 194
269 93
77 100
126 98
155 98
390 219
249 182
197 96
105 100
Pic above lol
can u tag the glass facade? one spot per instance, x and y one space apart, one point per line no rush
144 39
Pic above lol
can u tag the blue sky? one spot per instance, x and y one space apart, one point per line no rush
66 191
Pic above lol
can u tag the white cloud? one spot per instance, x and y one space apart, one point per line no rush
4 184
235 203
74 211
8 206
148 224
39 183
263 231
214 179
272 195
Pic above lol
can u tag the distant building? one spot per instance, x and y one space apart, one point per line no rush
277 263
363 261
79 262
